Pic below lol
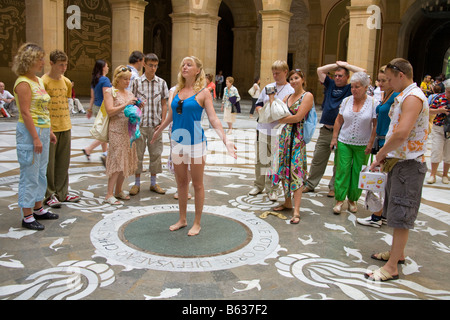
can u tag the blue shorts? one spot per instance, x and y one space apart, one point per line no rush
33 166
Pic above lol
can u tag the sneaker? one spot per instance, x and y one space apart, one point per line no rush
156 188
70 198
445 180
53 202
431 180
33 225
44 214
370 222
254 191
273 196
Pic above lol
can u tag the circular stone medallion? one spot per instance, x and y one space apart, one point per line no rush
139 237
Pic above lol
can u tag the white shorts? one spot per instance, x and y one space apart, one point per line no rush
440 146
188 154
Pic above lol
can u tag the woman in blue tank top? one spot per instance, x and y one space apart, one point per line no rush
188 138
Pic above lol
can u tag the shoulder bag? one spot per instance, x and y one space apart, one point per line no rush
100 127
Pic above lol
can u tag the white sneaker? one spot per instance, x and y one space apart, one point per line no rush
445 179
254 191
273 196
370 222
431 180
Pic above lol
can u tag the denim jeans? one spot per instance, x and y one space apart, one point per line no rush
33 166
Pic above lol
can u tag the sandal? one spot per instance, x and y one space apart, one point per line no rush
384 256
295 219
113 201
86 154
281 208
122 196
380 275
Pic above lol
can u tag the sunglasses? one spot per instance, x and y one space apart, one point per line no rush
180 107
124 69
391 66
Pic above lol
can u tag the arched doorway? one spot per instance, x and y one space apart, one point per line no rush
433 39
158 35
225 41
336 33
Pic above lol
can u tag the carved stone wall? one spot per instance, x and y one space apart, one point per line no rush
12 35
86 45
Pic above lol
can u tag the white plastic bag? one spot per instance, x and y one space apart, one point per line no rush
273 112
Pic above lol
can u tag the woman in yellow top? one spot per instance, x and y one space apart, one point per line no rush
33 135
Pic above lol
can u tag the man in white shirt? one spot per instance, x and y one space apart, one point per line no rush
135 63
266 132
153 92
5 99
403 157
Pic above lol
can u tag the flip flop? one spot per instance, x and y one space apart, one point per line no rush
295 221
380 275
113 201
281 208
122 196
384 256
87 155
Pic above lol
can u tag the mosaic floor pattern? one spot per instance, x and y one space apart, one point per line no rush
99 251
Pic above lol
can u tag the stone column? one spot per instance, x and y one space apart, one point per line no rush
194 34
127 29
390 32
274 40
362 38
314 60
45 32
244 58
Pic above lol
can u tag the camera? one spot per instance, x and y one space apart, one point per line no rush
271 90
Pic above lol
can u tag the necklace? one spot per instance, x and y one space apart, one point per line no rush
279 91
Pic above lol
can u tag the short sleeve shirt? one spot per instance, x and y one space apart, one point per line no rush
39 102
60 91
98 90
332 100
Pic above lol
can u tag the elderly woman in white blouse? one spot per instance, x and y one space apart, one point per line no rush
353 136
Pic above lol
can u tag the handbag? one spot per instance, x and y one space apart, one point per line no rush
100 127
273 112
309 126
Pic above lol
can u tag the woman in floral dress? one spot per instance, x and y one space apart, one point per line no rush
121 161
292 164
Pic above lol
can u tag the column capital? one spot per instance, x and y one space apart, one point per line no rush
277 14
136 4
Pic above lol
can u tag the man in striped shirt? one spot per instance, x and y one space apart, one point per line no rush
153 92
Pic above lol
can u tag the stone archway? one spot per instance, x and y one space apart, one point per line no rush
430 35
241 17
158 35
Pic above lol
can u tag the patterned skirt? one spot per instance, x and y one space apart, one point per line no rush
291 159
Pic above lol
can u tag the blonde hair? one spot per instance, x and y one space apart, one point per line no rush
120 72
230 80
200 79
280 65
26 57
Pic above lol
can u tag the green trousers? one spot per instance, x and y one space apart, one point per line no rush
58 166
349 161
